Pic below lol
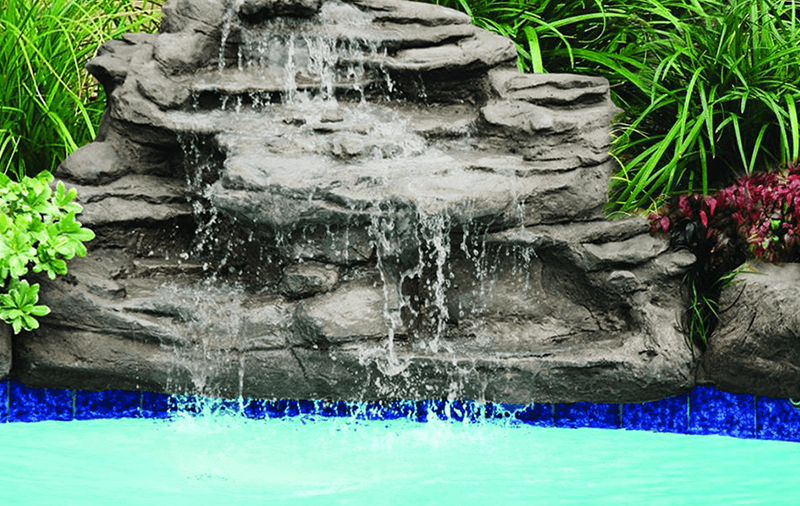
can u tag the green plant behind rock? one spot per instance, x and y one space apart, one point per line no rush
49 105
38 232
708 88
717 86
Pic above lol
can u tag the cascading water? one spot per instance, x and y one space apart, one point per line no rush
315 68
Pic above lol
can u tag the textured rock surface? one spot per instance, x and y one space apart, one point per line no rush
354 200
756 347
5 350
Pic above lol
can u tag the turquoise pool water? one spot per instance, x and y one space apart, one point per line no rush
118 447
312 460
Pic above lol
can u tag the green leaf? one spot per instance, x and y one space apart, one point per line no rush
29 323
535 50
10 314
793 128
40 310
64 199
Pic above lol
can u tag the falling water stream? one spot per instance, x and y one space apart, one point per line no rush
297 76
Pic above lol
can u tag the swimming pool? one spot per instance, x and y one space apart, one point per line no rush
303 452
328 461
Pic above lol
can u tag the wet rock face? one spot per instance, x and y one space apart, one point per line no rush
756 347
353 200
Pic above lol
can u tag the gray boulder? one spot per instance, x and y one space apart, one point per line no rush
756 346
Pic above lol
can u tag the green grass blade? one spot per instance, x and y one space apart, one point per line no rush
793 128
535 50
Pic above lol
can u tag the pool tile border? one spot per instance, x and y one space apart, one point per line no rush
587 415
734 414
703 410
665 415
4 393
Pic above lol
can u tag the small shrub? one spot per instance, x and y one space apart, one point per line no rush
766 211
38 232
760 213
758 217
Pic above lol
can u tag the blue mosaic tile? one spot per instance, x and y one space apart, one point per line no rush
444 410
438 408
587 414
712 411
280 408
469 411
335 409
777 419
418 411
262 408
194 404
291 407
306 407
536 414
270 409
27 404
393 410
665 415
501 411
224 406
4 388
709 411
155 405
106 404
254 408
422 409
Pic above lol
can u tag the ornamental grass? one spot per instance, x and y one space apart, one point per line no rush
49 105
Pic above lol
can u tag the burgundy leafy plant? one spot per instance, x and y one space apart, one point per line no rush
760 212
766 209
758 217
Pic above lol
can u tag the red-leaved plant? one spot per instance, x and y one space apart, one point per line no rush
758 217
760 211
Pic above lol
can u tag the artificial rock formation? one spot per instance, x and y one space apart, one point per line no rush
756 347
358 199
